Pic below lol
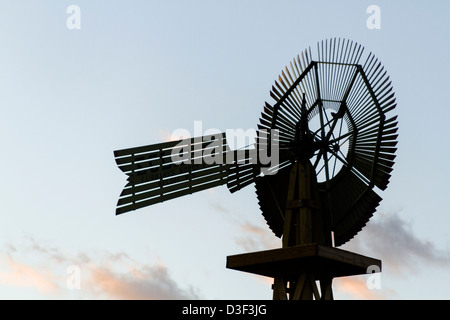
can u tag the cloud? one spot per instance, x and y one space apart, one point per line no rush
138 282
19 275
102 275
256 238
392 239
357 288
387 237
174 135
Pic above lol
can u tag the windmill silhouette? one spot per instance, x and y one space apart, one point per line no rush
334 144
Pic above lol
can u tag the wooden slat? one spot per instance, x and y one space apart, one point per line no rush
165 197
184 182
154 157
188 171
149 148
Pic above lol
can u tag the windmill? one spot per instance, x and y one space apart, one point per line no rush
335 143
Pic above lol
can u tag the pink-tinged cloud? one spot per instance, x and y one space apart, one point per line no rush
165 135
356 288
147 282
105 276
255 238
17 274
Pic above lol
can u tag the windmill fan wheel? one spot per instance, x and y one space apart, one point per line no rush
332 111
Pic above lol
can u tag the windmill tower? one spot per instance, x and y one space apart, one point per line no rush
335 144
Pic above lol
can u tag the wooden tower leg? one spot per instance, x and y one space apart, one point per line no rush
279 289
298 230
303 288
326 289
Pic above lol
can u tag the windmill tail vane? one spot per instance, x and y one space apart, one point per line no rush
164 171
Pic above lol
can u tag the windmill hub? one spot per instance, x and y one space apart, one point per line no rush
304 147
336 147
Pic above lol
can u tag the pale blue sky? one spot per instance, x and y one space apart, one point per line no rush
138 70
